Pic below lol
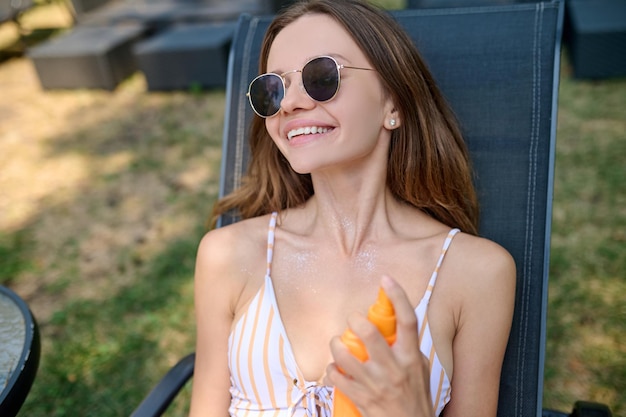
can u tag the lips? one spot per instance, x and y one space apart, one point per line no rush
307 130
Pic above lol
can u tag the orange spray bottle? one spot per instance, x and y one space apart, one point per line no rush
382 314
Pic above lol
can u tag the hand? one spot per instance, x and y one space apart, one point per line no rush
395 380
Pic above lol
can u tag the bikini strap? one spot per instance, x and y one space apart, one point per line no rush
444 250
270 242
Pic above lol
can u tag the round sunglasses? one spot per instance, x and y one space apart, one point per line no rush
320 78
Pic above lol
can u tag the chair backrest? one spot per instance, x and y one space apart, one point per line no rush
498 67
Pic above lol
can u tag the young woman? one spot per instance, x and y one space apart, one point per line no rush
359 179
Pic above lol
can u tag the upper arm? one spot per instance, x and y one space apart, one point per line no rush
215 290
485 317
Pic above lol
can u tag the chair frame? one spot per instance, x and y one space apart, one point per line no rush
18 385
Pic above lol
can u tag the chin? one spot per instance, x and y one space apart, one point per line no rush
302 170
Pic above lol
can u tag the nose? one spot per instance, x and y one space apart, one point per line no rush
295 98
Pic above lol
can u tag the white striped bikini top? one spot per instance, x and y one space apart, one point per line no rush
265 378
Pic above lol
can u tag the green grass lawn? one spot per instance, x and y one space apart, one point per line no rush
586 340
106 255
109 201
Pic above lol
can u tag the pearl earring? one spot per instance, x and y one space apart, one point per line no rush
392 122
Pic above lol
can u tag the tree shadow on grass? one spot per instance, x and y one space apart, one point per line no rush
103 249
105 355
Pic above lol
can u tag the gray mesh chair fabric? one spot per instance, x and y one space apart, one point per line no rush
498 67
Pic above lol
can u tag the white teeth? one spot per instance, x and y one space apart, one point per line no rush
309 130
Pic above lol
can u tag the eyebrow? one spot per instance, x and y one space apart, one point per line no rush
338 56
335 55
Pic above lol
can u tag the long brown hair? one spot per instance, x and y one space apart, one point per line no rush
428 164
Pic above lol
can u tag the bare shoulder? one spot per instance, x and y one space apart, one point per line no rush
478 280
227 257
226 265
230 243
481 263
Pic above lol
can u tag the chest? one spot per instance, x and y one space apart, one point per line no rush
317 291
313 289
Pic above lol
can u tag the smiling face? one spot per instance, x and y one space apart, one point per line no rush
350 129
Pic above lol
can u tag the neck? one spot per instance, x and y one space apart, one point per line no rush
352 216
352 206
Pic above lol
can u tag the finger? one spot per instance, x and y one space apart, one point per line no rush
406 321
367 361
346 386
336 377
345 360
379 361
367 332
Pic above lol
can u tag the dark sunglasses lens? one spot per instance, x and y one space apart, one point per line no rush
320 78
266 93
